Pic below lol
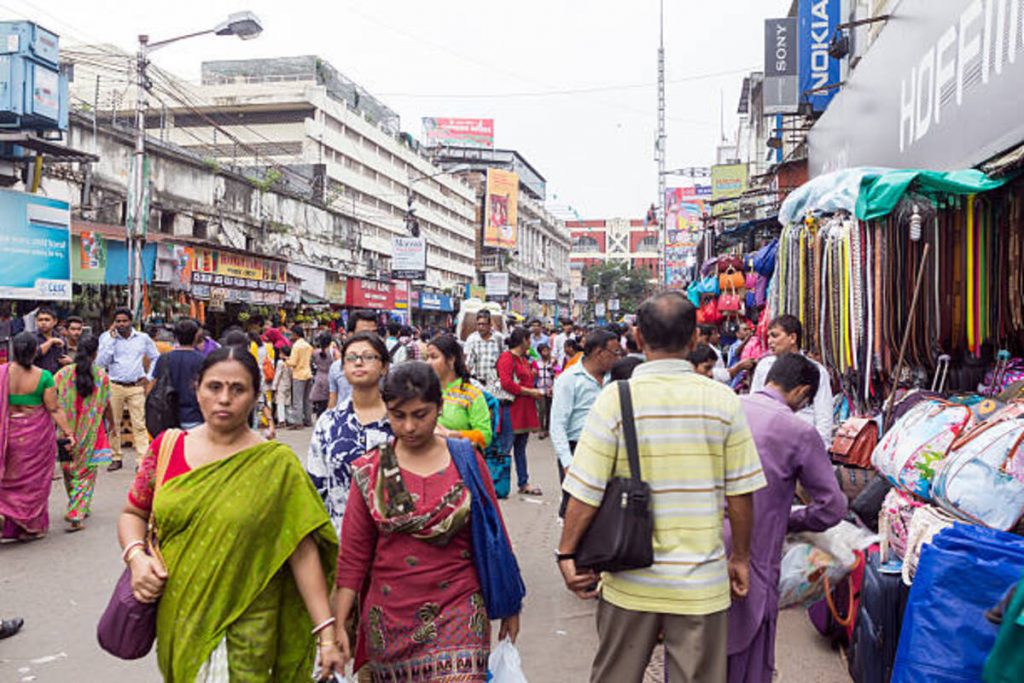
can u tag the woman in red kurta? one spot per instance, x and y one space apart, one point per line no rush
406 549
516 377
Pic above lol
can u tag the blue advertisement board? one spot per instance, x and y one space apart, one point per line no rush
818 21
35 247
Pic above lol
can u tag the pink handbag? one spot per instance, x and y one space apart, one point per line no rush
730 303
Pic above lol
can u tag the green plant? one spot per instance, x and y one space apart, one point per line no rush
212 164
271 176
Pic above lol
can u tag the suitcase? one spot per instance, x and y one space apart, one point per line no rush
883 599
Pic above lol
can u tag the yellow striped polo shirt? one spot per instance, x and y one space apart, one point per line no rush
695 449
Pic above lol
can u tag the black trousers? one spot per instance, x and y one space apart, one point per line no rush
561 479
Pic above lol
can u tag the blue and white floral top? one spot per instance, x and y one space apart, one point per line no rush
338 439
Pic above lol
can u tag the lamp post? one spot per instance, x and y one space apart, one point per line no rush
246 26
413 226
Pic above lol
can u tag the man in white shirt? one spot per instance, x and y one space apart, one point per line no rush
558 342
785 335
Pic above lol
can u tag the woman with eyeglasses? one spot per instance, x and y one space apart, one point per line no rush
357 424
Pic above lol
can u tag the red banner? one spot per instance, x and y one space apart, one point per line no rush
371 294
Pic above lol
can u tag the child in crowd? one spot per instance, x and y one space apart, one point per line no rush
545 371
282 386
703 358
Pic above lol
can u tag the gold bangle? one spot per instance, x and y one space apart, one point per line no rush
132 553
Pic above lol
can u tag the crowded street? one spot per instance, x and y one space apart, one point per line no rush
556 640
542 342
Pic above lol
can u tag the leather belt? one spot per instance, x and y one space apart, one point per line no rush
127 384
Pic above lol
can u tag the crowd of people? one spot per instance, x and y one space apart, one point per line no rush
412 431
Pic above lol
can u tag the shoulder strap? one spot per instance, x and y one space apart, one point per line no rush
629 429
163 456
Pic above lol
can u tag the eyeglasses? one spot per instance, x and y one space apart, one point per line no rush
354 358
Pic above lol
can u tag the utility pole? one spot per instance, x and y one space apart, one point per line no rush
660 148
136 221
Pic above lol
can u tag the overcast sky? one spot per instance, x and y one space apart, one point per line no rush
510 61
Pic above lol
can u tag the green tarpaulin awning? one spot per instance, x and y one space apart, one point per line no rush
880 193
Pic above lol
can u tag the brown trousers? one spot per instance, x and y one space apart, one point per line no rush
695 646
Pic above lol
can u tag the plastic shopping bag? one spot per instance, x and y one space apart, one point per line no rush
504 664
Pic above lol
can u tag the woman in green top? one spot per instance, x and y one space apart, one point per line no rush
248 549
465 411
28 445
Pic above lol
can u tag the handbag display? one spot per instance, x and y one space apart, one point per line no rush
729 262
731 279
730 303
501 582
127 628
854 442
708 313
622 533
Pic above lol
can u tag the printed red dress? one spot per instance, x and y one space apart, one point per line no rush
423 617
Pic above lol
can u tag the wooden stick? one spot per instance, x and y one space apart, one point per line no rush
906 336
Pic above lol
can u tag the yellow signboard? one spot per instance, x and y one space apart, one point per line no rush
727 181
500 209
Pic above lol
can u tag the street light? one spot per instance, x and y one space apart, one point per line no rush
246 26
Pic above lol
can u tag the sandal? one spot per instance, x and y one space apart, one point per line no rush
74 525
528 490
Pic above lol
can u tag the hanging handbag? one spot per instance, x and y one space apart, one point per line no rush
730 303
729 262
708 313
622 534
731 279
854 442
127 628
501 582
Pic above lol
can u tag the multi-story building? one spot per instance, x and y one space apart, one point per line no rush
542 245
301 122
595 242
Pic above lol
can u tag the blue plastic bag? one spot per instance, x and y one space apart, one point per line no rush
963 572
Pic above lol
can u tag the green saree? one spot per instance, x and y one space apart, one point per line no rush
226 531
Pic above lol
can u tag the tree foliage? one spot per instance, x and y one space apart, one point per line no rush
617 280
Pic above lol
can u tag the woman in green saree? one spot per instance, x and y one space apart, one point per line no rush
248 546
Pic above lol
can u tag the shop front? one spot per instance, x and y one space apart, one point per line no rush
434 310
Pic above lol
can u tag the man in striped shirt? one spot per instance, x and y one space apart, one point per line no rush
698 457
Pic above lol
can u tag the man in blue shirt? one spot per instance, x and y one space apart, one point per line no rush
575 392
183 365
128 357
537 336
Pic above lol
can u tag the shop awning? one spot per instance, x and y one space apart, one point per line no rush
880 194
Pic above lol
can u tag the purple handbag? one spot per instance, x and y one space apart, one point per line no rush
127 628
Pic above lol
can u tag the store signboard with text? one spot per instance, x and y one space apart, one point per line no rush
727 181
372 294
408 258
580 294
35 247
547 291
497 284
501 207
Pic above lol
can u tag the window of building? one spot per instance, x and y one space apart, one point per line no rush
200 229
167 222
584 244
649 243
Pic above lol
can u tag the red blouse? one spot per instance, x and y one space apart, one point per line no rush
516 374
141 493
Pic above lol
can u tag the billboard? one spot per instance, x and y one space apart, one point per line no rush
408 258
580 294
440 132
35 247
497 284
500 209
684 212
781 66
727 181
818 21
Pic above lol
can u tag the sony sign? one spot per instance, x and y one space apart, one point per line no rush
940 89
819 73
781 89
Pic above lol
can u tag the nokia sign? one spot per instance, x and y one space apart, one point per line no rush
819 73
940 89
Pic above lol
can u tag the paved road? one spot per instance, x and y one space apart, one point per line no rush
60 585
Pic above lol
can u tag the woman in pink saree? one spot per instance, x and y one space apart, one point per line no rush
28 444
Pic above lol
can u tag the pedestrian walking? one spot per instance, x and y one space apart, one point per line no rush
483 347
791 453
406 546
697 455
245 539
355 426
74 327
127 355
83 390
558 342
538 336
182 363
517 379
785 335
283 386
465 414
28 411
323 358
301 362
573 396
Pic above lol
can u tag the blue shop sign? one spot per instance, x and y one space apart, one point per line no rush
429 301
819 73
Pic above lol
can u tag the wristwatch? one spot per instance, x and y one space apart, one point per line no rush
561 557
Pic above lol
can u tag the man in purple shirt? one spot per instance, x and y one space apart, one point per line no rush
791 452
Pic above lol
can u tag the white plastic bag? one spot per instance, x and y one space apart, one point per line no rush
505 665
